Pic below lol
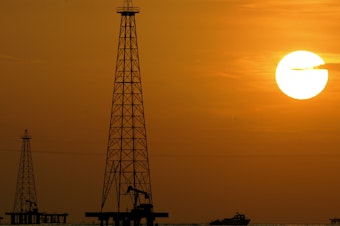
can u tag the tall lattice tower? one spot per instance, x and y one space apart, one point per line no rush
25 196
127 169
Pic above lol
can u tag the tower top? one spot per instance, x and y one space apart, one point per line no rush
26 136
128 8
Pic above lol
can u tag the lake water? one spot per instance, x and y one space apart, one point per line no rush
4 224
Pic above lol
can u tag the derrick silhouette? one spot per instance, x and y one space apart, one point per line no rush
127 170
25 209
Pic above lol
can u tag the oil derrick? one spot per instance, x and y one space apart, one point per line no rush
25 209
127 163
127 172
25 195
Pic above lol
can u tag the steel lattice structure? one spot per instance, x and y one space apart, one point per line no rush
127 169
25 196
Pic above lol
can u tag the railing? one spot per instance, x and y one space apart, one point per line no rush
128 9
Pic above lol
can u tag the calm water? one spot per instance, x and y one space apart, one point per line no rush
255 224
4 224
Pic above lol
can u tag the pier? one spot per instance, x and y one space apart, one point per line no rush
35 217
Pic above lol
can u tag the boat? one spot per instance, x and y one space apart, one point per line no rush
237 219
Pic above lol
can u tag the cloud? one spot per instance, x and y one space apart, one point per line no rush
330 66
7 59
303 69
301 6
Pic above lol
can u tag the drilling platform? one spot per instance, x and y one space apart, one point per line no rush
25 209
127 170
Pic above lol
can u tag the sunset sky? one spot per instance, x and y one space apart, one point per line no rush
222 137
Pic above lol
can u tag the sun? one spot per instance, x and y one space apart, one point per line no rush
298 75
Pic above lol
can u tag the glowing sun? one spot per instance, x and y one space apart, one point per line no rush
298 75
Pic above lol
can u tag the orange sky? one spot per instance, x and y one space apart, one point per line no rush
222 137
